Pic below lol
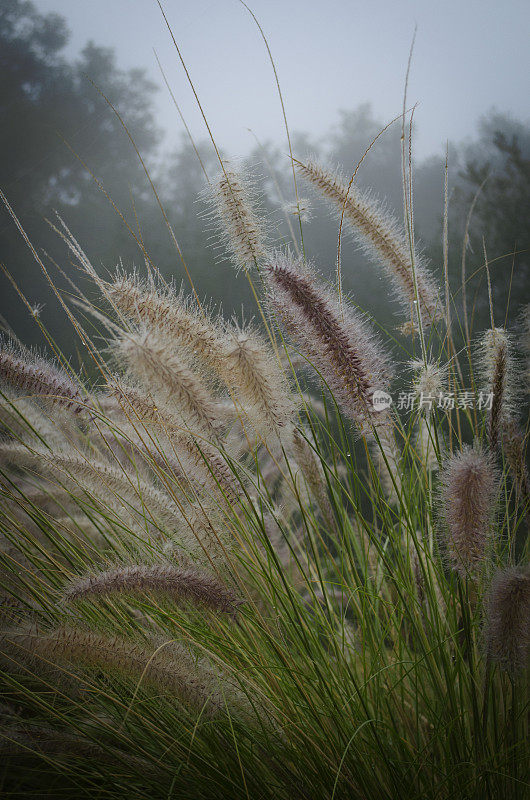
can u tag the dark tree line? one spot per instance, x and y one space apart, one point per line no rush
59 137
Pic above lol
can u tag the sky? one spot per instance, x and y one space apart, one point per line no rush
469 56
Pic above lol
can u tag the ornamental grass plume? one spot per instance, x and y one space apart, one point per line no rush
207 466
340 346
168 377
23 419
259 380
137 405
33 376
165 311
174 581
176 674
469 483
507 623
232 196
382 238
497 372
99 479
238 357
18 740
428 384
387 458
314 474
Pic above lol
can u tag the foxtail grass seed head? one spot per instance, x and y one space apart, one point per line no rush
428 387
99 480
25 420
313 472
31 375
469 485
165 373
383 239
428 380
497 373
238 357
233 198
178 583
507 629
387 459
300 208
171 315
259 380
426 443
339 344
176 674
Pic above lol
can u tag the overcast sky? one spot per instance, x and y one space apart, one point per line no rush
470 56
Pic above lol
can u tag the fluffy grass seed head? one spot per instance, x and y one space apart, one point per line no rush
108 485
239 357
258 379
170 313
165 374
300 208
232 196
383 239
428 379
469 484
171 670
387 459
507 628
339 344
498 375
428 386
31 375
174 581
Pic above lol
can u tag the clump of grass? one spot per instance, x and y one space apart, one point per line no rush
218 581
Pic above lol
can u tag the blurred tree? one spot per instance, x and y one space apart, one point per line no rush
497 167
52 112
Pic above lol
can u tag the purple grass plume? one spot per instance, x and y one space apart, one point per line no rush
469 483
340 345
507 629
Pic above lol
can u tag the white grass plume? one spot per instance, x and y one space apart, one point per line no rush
383 238
166 374
232 196
239 357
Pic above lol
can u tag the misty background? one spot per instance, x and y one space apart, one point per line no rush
342 69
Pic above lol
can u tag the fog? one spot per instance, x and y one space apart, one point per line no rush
469 56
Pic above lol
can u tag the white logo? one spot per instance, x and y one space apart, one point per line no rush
381 400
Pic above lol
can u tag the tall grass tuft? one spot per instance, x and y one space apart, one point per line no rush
236 565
